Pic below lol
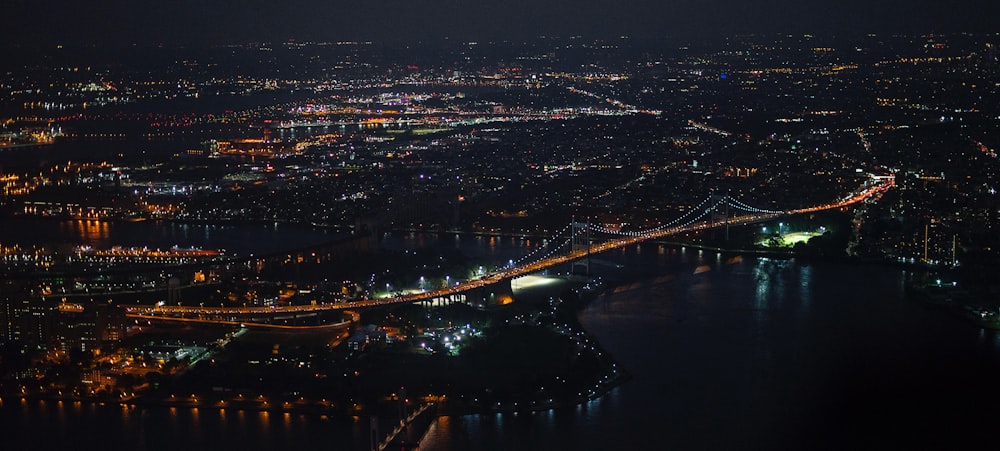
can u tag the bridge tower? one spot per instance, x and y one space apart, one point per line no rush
173 291
402 408
717 216
580 241
373 433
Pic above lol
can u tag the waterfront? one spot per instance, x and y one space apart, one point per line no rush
593 138
235 239
747 353
725 352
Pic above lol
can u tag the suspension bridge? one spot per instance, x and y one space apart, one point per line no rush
573 242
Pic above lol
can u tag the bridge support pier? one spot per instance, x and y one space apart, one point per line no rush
581 242
442 301
492 295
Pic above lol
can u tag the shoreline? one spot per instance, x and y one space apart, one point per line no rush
310 407
965 309
455 408
958 303
534 408
602 384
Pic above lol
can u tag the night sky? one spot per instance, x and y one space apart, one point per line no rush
124 22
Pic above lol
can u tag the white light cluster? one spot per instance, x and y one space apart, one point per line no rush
548 255
743 206
602 229
521 260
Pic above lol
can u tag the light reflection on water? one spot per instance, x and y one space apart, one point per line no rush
477 246
95 233
805 287
989 339
60 412
706 374
242 239
263 421
554 429
743 358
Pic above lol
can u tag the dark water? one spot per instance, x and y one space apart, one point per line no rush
730 353
724 353
33 159
47 425
239 239
500 249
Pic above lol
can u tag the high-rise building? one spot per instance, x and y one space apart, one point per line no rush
86 327
6 321
76 330
35 323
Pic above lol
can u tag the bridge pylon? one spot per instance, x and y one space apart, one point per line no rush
580 241
373 437
720 217
492 295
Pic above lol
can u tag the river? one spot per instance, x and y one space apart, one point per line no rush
235 239
725 352
732 352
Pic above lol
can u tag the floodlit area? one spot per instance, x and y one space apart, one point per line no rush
396 293
791 239
532 281
788 239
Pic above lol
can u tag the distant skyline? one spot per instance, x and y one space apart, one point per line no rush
187 22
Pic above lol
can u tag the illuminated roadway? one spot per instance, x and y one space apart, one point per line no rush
198 314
